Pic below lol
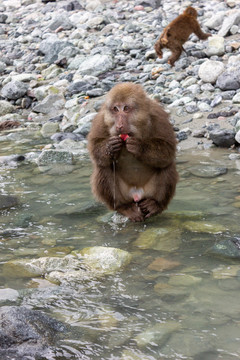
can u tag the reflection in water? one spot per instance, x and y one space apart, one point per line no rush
179 296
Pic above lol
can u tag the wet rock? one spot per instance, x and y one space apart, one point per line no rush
208 171
8 295
165 239
226 272
8 201
222 137
14 90
55 157
162 264
184 280
27 333
210 70
229 248
157 334
106 260
204 227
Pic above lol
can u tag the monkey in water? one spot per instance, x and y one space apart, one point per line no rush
132 146
177 33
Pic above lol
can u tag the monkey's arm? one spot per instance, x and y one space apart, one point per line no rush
198 31
102 147
154 152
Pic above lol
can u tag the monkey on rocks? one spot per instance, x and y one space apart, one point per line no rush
177 33
132 146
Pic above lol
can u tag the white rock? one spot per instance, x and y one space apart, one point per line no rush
215 46
210 70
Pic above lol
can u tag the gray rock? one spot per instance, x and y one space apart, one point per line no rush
50 105
229 80
62 21
229 21
222 137
55 157
8 201
229 248
14 90
8 295
237 137
3 18
2 67
26 333
208 171
6 107
51 47
215 21
79 86
95 65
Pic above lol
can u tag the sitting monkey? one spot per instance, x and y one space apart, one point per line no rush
177 33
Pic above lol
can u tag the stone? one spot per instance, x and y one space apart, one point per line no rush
55 157
62 21
222 137
162 264
215 46
164 239
229 79
49 128
95 65
229 21
8 201
14 90
204 227
8 295
27 333
51 47
229 248
6 107
158 334
184 280
50 105
210 70
215 21
226 272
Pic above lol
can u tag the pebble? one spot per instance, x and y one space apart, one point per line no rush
59 59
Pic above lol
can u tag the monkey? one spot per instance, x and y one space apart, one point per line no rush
132 146
177 33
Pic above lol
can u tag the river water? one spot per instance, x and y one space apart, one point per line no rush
177 299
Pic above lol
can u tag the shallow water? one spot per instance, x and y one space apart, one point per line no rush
128 315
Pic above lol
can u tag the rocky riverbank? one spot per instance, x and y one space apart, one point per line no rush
59 59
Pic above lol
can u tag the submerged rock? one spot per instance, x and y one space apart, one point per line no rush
157 334
27 334
204 227
165 239
229 248
80 265
8 201
208 171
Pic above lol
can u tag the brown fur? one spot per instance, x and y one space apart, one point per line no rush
143 166
177 33
9 124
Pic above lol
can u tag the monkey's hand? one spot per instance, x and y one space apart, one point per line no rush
134 146
114 146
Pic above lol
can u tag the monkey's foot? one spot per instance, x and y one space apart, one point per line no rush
149 207
132 211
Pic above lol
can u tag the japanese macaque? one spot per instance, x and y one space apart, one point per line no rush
177 33
132 146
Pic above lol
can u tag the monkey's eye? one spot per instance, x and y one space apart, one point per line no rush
126 108
115 109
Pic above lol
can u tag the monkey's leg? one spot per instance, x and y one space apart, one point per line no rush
132 211
158 48
150 207
176 52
